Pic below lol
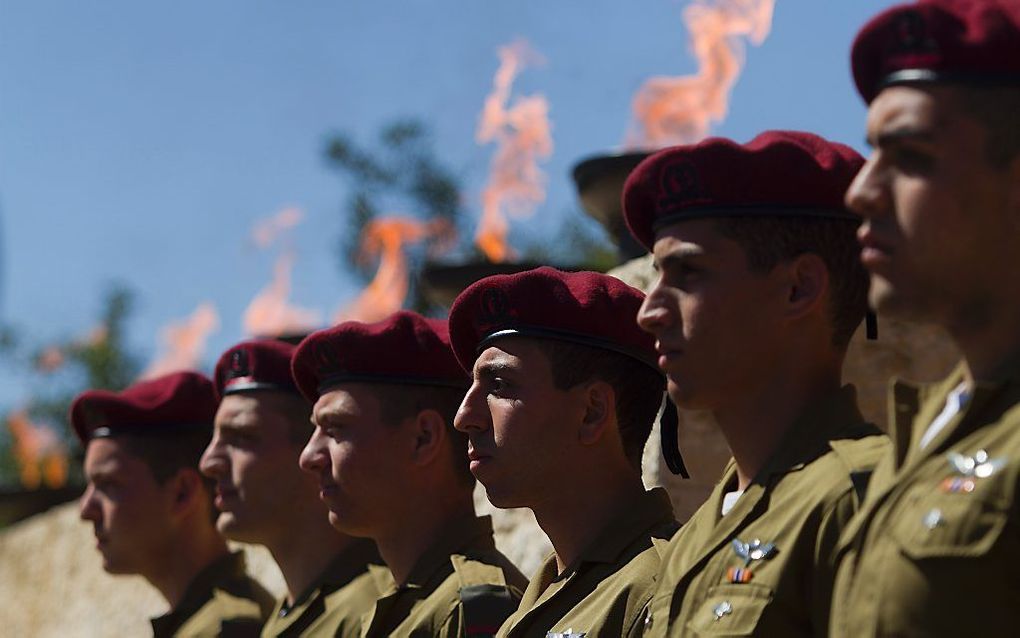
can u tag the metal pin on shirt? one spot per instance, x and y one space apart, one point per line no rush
722 609
933 518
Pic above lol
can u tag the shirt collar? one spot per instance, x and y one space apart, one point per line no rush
228 567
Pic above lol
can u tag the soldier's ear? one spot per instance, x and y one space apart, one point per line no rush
599 411
429 432
187 491
806 285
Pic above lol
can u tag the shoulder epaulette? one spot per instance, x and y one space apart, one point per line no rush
859 457
484 595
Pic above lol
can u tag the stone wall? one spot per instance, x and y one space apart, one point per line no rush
52 583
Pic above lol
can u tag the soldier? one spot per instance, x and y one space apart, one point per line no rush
152 511
564 396
263 497
392 468
759 293
935 548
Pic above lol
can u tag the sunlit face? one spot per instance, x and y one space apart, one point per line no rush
936 231
522 429
360 461
714 320
254 462
130 512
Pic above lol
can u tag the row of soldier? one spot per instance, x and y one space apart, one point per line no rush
353 456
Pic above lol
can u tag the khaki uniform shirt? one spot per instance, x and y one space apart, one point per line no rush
334 604
605 591
223 600
936 547
461 587
766 567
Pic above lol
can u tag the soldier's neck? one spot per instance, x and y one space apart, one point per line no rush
180 563
420 525
989 340
582 505
304 551
755 421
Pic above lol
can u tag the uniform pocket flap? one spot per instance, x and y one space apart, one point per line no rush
949 525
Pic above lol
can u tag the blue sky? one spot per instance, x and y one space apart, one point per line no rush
139 142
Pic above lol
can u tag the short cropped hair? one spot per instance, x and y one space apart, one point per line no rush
399 402
167 455
639 389
996 109
767 241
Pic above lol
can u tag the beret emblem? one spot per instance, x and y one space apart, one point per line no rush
239 364
912 34
495 309
679 185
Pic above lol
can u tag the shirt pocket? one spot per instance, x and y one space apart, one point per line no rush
949 525
730 610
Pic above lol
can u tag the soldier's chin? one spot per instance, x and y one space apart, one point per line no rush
113 564
501 498
230 526
890 300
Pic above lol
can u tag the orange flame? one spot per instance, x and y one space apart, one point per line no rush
681 110
522 135
39 452
266 231
386 238
269 314
184 342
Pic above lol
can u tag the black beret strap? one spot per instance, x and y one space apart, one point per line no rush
249 386
570 337
331 381
701 212
163 429
668 437
929 76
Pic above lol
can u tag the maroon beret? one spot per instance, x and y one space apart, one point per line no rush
259 364
404 348
778 173
973 42
164 405
586 308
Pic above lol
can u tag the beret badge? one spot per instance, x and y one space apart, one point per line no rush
912 35
239 364
679 185
494 311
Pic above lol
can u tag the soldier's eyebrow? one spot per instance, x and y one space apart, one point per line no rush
679 256
901 134
491 369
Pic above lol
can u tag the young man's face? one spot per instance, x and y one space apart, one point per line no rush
131 514
359 460
521 428
254 461
934 208
715 321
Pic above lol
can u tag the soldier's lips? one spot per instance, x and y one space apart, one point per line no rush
224 498
327 491
478 459
668 356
